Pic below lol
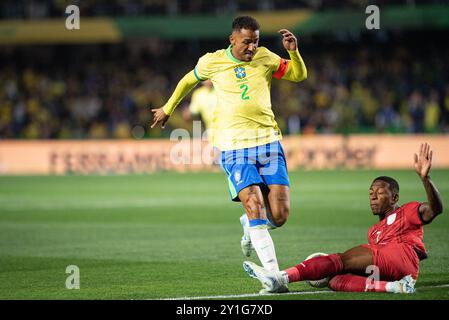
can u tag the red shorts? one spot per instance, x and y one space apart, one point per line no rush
395 260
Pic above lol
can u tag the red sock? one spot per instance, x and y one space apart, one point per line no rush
316 268
353 283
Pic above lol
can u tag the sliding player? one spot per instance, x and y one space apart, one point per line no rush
395 243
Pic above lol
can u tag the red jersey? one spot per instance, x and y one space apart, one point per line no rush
404 225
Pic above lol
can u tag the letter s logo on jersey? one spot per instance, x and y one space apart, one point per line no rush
391 218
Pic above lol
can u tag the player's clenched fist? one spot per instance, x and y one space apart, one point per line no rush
288 40
159 116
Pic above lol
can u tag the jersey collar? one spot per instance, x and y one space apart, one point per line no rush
230 56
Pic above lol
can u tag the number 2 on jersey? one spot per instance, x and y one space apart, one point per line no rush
245 89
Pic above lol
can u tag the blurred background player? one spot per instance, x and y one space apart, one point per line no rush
202 105
395 243
244 128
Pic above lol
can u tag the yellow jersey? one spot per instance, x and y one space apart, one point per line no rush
243 117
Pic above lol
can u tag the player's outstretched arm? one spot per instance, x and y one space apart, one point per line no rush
423 163
296 70
161 115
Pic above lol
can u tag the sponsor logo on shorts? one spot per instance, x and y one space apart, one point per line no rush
237 177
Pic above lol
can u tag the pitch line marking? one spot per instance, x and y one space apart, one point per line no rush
252 295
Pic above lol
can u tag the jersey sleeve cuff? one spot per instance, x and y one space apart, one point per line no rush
197 76
421 218
168 111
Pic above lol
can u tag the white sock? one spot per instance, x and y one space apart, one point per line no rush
262 242
245 223
285 276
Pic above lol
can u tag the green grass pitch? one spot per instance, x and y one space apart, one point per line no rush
171 235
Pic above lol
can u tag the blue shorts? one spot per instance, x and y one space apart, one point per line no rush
262 165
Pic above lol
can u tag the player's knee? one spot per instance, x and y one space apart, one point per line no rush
280 215
280 222
281 219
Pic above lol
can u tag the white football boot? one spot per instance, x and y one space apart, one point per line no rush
272 281
406 285
245 243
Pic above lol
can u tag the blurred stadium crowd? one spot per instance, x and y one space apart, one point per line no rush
395 82
103 91
33 9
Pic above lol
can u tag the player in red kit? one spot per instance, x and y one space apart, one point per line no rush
390 260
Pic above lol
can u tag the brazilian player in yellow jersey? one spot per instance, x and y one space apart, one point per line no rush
245 131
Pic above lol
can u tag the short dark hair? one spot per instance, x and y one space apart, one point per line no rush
392 183
245 22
